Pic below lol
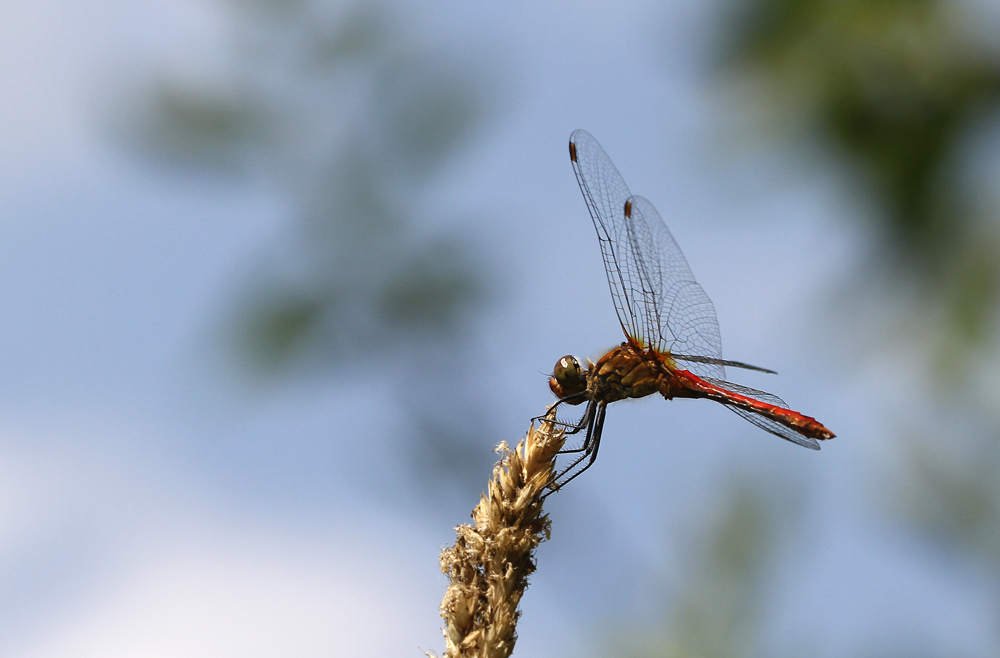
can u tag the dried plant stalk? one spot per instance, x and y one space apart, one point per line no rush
490 562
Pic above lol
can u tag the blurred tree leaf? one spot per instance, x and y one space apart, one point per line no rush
351 120
894 84
952 493
895 89
426 291
282 328
362 34
719 609
194 126
354 184
425 116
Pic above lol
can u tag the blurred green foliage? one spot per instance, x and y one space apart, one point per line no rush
951 493
349 120
896 90
718 608
901 95
340 113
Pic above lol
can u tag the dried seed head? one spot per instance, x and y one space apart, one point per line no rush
489 564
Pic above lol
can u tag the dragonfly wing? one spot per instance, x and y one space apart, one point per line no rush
776 428
605 192
674 312
763 422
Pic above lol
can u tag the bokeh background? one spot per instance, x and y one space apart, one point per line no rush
276 276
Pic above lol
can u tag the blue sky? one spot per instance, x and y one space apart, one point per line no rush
150 505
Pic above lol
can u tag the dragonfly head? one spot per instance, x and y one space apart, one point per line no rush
568 378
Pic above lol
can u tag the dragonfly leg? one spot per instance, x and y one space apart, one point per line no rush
585 422
590 447
571 428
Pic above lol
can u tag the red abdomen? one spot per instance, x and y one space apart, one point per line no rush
742 398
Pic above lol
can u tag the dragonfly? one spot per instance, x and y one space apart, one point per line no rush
672 344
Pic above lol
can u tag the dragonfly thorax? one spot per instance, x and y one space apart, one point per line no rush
629 371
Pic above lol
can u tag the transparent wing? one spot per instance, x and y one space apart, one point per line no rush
763 422
674 310
657 299
605 192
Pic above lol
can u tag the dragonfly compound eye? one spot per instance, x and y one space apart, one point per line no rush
568 377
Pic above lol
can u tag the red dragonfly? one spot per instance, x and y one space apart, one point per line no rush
672 344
